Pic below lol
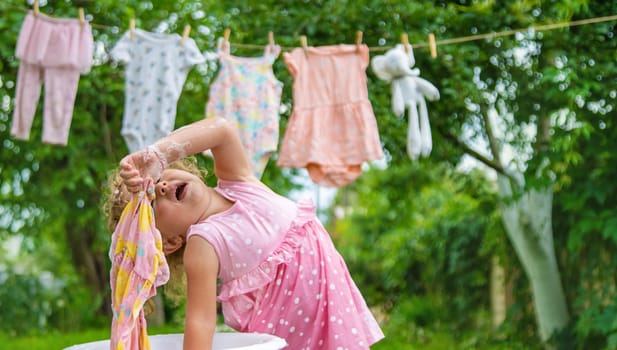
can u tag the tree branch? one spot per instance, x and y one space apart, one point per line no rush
106 133
491 163
492 142
544 134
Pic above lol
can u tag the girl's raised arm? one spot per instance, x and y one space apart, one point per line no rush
216 133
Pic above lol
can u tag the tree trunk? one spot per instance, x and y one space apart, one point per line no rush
528 223
498 293
157 317
89 265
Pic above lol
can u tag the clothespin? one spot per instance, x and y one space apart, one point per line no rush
358 40
271 44
432 45
226 34
132 28
82 16
304 44
35 6
185 34
405 41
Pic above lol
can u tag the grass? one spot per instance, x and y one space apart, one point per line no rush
399 335
58 341
445 341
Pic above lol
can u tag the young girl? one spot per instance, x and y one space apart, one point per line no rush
279 271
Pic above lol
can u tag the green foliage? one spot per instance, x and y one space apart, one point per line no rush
422 236
586 206
586 199
30 308
35 302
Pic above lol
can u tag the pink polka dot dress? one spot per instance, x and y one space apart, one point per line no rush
281 274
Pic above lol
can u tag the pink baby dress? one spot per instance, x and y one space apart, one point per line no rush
332 129
281 274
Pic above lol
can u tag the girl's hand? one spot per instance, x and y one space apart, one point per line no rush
138 166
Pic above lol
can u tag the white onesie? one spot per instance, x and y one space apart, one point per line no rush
156 68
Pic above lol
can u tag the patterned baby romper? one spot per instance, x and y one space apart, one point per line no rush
157 65
281 274
247 92
332 129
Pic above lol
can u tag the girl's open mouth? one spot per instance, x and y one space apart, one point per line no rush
181 191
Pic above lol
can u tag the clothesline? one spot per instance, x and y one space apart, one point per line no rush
491 35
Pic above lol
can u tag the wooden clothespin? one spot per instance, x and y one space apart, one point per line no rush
226 34
185 34
358 40
432 45
132 28
35 7
82 16
271 44
405 41
304 44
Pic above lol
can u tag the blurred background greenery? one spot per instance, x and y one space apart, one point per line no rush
447 256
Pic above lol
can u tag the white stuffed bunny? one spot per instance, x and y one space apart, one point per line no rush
408 90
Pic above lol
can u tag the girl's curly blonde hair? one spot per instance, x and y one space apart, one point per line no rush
115 199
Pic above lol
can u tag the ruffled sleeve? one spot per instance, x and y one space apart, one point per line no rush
121 51
192 54
290 59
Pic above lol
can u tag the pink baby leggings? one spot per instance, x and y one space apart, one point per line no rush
54 51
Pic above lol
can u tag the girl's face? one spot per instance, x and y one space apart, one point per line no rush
181 201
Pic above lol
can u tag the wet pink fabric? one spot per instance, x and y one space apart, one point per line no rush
281 274
332 129
138 266
53 51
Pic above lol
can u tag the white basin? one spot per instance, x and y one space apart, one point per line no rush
221 341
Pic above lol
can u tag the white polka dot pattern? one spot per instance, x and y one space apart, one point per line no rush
289 282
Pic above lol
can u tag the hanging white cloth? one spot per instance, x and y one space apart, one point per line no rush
408 91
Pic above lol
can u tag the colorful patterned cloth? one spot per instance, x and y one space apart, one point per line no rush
247 92
138 267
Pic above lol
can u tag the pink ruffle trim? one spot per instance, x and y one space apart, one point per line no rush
265 272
